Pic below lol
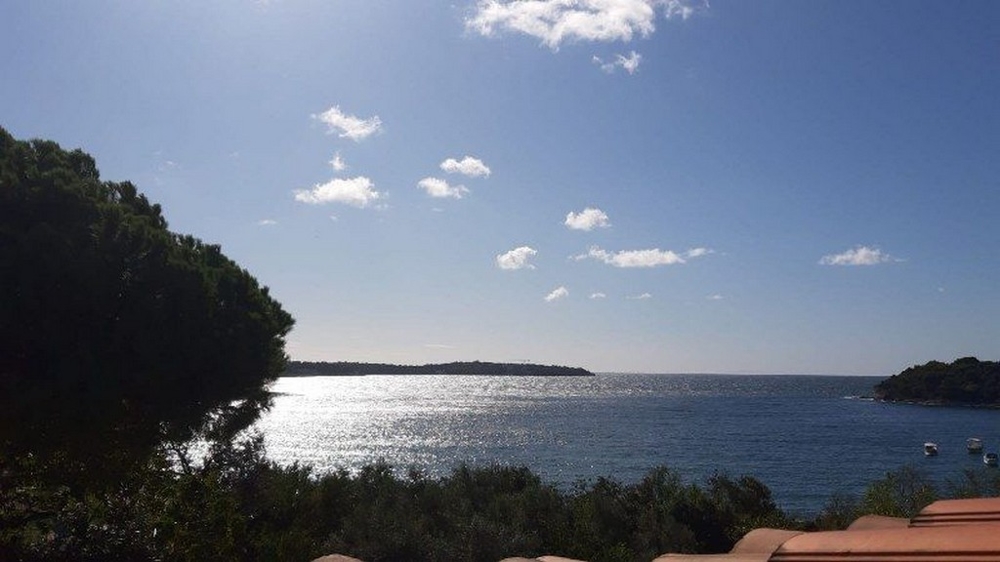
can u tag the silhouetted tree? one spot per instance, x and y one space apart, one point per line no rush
117 334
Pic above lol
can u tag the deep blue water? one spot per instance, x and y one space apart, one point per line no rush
805 437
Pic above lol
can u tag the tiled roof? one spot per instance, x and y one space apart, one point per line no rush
959 512
945 531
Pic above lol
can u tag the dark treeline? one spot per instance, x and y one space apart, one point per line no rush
346 368
966 381
239 506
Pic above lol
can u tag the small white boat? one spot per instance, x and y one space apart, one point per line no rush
930 449
991 459
974 445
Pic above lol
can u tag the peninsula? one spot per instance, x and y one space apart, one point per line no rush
965 382
346 368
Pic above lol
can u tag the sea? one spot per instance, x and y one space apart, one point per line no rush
806 437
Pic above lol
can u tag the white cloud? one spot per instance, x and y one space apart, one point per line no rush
267 222
349 126
860 255
641 297
436 187
597 295
358 192
517 258
715 297
338 163
559 293
468 166
629 63
641 258
587 219
557 21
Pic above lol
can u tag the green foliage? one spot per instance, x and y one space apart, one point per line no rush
118 334
838 513
964 381
238 506
901 493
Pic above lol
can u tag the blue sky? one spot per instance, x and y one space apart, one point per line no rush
623 185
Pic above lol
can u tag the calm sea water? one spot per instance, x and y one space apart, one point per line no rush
806 437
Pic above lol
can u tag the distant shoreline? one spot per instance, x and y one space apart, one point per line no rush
940 403
353 369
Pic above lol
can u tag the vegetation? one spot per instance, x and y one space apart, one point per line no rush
121 339
903 493
238 506
342 368
966 381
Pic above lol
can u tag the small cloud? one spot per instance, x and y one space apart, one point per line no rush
598 295
555 22
715 297
860 255
438 346
629 63
349 126
439 188
516 258
337 163
587 219
641 258
357 192
608 67
468 166
557 294
641 297
267 222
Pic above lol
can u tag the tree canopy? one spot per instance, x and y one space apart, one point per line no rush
964 381
118 334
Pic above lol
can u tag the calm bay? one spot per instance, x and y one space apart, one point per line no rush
805 437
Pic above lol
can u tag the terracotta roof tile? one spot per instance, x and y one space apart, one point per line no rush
959 512
878 522
945 544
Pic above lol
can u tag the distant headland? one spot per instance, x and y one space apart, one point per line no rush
346 368
965 382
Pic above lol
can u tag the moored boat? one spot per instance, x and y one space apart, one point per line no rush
974 445
991 459
930 449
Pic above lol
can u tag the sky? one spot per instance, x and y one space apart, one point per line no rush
623 185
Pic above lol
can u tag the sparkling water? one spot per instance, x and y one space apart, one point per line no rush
805 437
